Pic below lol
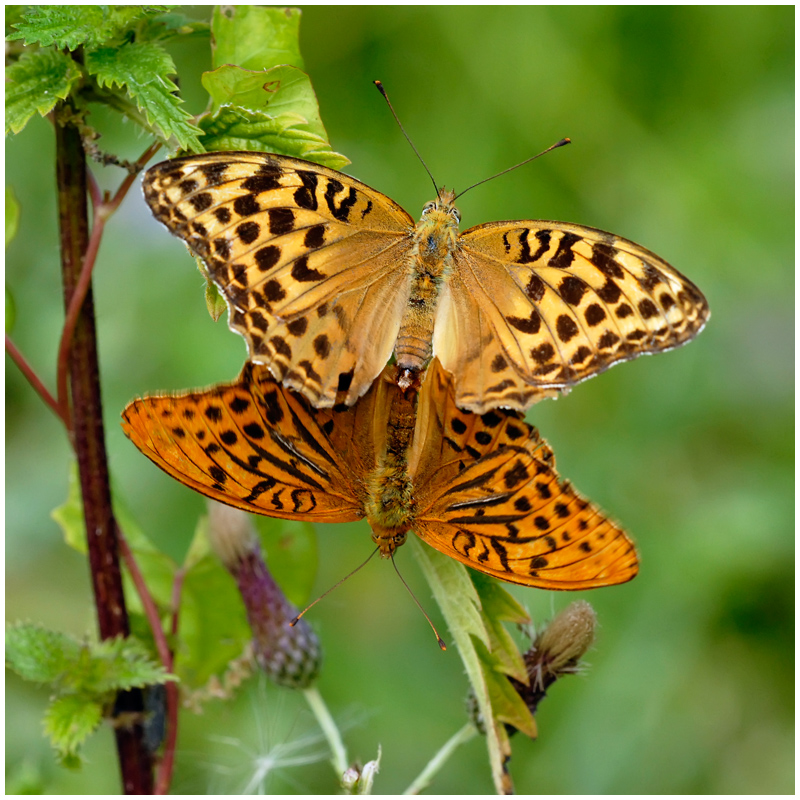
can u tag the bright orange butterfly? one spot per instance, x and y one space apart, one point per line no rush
325 278
482 489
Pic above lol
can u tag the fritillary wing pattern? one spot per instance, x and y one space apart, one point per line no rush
535 307
251 445
309 260
487 494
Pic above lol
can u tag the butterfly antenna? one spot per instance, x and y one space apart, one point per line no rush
419 606
335 586
560 143
408 138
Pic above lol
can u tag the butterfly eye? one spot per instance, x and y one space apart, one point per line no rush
456 214
428 207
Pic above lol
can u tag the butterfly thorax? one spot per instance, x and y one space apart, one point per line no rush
430 261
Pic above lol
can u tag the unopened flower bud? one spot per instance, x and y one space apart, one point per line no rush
557 651
290 655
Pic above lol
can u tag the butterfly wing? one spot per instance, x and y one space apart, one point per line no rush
253 445
312 263
487 494
538 306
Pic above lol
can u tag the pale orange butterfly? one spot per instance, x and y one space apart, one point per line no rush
482 489
325 278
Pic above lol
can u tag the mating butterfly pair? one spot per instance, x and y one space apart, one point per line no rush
325 278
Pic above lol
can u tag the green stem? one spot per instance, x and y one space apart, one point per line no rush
437 762
325 720
87 426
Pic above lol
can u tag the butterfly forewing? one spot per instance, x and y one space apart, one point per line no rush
553 304
313 263
324 277
249 444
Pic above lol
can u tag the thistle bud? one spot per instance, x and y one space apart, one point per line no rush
557 650
290 655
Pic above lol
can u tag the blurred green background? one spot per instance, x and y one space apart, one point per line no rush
682 127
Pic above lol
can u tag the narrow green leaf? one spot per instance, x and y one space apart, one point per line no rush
12 215
458 600
69 720
499 606
142 69
38 654
35 83
507 705
72 26
256 37
238 129
291 555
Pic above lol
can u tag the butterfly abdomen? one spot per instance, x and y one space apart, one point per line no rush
390 502
431 261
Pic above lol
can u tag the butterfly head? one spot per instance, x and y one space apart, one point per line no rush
443 209
388 539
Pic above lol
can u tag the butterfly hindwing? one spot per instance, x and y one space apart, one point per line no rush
488 494
553 304
309 260
252 445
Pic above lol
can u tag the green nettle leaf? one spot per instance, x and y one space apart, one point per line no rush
13 15
291 555
40 655
256 37
141 69
93 668
12 215
35 83
84 677
123 663
69 721
73 26
239 129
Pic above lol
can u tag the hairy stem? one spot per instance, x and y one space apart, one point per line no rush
87 420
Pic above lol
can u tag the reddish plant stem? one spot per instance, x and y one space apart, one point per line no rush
35 381
102 211
165 768
135 760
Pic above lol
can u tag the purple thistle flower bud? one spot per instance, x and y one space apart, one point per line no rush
290 655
